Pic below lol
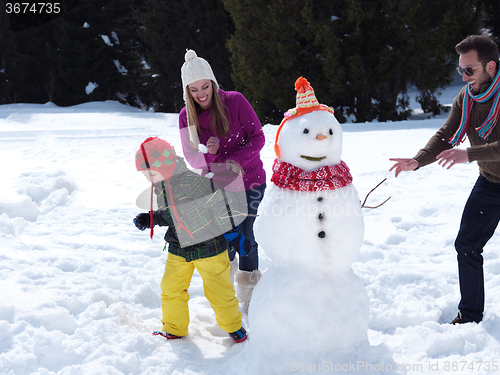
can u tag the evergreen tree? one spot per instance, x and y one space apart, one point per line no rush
94 42
171 27
492 18
23 63
6 47
97 55
273 44
427 33
359 56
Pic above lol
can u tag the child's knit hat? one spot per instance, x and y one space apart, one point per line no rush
194 69
306 103
157 155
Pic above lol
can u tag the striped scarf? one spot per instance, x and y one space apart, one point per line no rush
489 124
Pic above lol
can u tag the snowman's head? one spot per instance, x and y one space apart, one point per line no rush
309 136
311 141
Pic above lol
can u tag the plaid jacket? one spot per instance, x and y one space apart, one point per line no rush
192 208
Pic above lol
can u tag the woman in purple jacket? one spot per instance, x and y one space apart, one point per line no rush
220 127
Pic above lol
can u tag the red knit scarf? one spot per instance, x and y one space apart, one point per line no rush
288 176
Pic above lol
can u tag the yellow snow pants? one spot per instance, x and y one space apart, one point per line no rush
217 286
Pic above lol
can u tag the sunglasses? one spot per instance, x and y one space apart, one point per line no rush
468 71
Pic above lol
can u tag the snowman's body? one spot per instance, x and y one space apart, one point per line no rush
309 300
328 221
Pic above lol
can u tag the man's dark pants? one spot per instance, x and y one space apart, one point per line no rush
479 221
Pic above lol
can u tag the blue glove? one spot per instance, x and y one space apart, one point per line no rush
238 241
142 221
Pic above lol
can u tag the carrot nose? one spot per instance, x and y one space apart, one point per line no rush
320 137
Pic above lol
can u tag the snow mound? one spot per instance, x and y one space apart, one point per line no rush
38 194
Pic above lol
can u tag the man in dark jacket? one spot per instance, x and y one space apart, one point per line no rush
474 113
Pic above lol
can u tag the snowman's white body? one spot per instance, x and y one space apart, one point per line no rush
309 297
329 221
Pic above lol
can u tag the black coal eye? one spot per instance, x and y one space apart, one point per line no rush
331 132
306 131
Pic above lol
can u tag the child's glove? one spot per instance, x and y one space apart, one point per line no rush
142 221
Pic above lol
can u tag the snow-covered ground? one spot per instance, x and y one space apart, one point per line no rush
80 285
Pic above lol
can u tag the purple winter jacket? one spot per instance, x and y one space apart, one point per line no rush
242 144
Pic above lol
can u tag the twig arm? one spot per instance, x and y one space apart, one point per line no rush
371 191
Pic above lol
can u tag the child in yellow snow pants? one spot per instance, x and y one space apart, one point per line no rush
187 204
217 286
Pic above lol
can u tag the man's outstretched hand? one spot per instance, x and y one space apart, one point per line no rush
403 164
452 157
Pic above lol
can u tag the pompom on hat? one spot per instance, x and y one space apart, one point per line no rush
194 69
306 102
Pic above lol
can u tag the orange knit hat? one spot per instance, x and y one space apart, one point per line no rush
306 103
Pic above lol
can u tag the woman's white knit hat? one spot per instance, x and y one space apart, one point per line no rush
194 69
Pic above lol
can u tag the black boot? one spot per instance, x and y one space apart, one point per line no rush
461 320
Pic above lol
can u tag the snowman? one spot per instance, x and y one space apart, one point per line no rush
309 303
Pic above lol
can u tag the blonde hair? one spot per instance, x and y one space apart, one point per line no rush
220 123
